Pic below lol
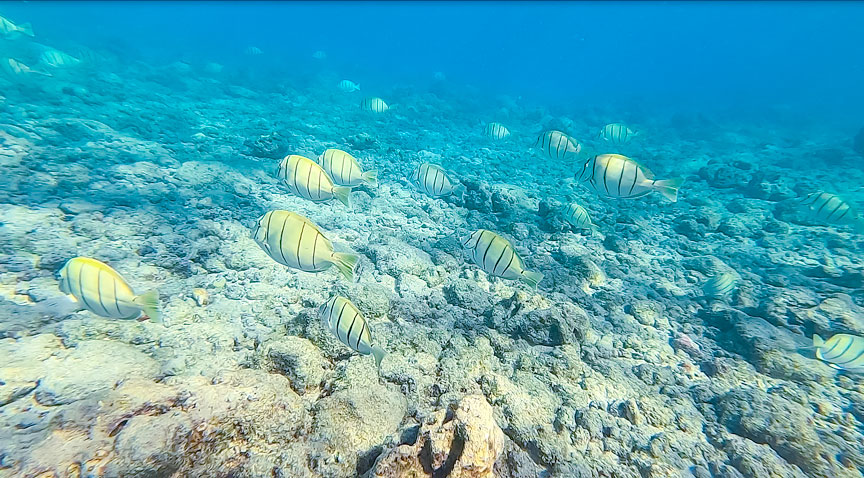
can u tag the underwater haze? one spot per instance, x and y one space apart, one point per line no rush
431 239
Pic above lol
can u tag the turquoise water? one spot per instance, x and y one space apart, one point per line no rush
431 239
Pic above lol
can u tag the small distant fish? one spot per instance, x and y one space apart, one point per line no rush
720 285
295 241
617 133
375 105
253 51
578 217
432 180
319 55
345 170
201 296
57 59
558 145
307 179
7 28
497 131
832 209
343 319
101 290
348 86
439 76
841 351
618 176
497 257
15 67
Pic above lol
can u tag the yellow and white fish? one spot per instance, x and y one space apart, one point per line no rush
578 217
348 86
307 179
344 320
558 145
618 176
101 290
497 131
253 51
57 59
432 180
497 257
720 286
295 241
374 105
617 133
7 28
832 209
841 351
345 170
14 67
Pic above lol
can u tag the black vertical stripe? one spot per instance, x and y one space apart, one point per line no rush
844 214
435 181
332 309
314 248
281 234
339 317
300 241
347 179
832 348
839 203
824 204
483 262
350 328
296 186
846 362
308 177
635 175
99 291
360 335
499 259
844 350
621 177
81 287
605 171
512 256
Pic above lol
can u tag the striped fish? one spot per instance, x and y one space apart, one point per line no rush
343 319
253 51
496 256
832 209
320 55
578 217
345 170
720 286
618 176
101 290
14 67
7 28
842 351
375 105
558 145
57 59
294 241
348 86
497 131
307 179
617 133
432 180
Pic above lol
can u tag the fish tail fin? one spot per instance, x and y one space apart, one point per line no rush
357 88
342 194
669 188
379 354
149 303
532 278
371 178
26 29
346 264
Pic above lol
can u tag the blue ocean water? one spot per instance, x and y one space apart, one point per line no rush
577 239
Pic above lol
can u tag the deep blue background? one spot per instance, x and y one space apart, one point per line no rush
798 57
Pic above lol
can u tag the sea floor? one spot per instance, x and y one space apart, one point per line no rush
615 366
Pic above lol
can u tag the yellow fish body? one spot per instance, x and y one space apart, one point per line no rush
720 285
7 28
305 178
57 59
558 145
497 131
294 241
617 133
497 257
344 320
345 170
618 176
841 351
578 217
832 209
375 105
101 290
432 180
